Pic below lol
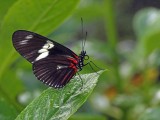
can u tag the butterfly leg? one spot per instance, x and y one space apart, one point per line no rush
81 80
89 63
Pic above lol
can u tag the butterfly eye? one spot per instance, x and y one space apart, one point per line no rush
86 57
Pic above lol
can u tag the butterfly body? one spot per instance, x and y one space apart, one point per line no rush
53 63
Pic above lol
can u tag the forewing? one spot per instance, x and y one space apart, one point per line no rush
34 47
54 71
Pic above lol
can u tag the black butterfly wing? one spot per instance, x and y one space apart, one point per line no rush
34 47
54 71
53 63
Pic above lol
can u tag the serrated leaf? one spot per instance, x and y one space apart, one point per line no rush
147 28
60 104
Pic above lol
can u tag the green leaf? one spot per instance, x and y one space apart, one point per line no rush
60 104
88 7
4 6
150 114
87 117
147 28
7 111
10 87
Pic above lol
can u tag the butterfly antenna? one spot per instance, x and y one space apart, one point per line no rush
82 34
85 40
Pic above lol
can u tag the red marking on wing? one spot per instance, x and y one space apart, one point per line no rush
73 67
73 60
73 64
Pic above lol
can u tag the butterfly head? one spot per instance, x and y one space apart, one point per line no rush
82 57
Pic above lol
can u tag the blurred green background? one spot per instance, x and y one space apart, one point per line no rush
123 37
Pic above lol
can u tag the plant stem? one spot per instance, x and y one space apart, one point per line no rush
110 26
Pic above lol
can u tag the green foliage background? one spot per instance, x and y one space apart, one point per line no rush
125 42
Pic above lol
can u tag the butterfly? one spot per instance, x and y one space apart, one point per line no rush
52 63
